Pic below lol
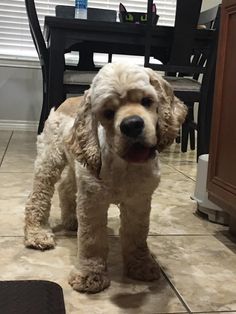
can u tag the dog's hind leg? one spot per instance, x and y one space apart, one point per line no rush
67 195
48 167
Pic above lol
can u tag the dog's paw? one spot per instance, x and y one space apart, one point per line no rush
145 268
40 239
90 282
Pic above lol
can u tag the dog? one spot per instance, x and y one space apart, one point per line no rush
107 142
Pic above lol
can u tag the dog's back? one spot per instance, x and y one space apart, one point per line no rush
70 106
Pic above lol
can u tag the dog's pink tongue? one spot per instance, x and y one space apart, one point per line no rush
138 154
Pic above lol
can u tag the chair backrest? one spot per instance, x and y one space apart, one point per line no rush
208 17
186 19
92 13
208 58
36 32
202 61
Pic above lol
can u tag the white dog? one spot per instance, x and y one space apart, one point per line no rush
108 141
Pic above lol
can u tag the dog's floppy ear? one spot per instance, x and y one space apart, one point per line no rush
171 111
83 141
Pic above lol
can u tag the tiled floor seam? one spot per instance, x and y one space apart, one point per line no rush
213 312
178 295
8 143
184 174
182 235
177 170
118 236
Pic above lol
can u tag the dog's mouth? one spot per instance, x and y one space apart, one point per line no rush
139 153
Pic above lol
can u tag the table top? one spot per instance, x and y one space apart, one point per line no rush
125 29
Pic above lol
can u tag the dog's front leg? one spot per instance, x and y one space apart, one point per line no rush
90 273
138 261
48 167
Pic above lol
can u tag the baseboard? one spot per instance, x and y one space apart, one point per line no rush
18 125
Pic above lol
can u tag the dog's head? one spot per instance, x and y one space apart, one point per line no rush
137 109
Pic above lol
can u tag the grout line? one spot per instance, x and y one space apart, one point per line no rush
30 172
181 235
194 180
176 291
214 312
175 169
117 235
4 154
181 172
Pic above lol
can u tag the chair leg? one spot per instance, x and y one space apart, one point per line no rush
192 139
42 117
191 130
41 124
44 114
109 57
184 139
178 139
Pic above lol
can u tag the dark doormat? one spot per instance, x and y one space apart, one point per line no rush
31 297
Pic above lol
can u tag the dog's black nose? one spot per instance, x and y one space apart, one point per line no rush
132 126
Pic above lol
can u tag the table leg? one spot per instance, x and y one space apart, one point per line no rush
86 58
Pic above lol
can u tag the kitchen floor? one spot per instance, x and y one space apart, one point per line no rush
198 258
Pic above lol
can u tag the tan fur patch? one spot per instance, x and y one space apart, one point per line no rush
70 106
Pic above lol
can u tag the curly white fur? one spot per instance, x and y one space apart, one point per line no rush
103 166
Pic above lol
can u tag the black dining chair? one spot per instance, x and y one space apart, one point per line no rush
207 20
75 82
184 68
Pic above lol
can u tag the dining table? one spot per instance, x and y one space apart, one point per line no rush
64 34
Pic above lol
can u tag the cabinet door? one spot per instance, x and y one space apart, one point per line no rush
222 157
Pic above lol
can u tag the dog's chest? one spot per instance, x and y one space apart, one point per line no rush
124 181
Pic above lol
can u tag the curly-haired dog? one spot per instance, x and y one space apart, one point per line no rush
108 140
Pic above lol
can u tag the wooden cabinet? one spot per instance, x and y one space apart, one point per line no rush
222 156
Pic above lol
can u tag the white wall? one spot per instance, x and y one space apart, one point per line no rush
207 4
20 93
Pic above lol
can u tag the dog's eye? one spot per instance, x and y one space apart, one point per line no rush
146 101
109 114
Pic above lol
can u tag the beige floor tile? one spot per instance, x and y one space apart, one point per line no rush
199 257
173 211
14 185
4 139
183 162
14 190
201 268
186 168
123 296
21 153
174 154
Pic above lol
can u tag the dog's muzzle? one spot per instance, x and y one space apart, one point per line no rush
138 152
132 126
